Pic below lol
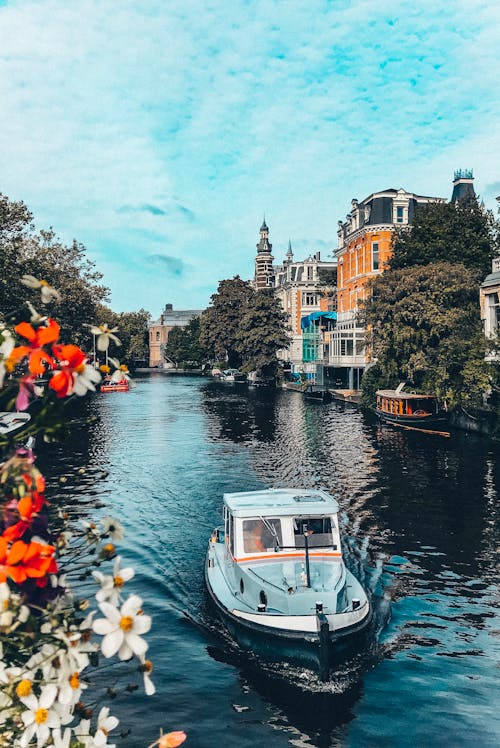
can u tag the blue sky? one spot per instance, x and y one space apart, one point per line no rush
159 132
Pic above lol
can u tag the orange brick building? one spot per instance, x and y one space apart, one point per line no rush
364 248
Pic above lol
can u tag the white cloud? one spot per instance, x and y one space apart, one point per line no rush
215 113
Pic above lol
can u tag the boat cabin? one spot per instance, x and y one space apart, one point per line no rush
396 403
280 521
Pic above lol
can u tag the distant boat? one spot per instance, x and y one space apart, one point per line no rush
276 575
11 423
317 395
409 409
109 386
232 375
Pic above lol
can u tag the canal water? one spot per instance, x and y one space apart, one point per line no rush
419 516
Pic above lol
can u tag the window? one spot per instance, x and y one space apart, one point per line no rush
399 214
310 273
309 299
375 256
158 335
261 535
318 530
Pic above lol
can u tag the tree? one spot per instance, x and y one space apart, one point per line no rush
15 226
221 321
132 332
262 333
424 327
183 344
461 232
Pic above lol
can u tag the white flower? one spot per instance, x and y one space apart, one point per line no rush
104 335
121 629
113 528
48 293
147 668
7 343
61 741
84 380
105 724
111 586
70 690
40 717
35 316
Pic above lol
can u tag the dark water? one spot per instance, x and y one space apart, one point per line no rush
421 531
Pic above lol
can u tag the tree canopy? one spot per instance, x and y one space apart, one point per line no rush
42 255
183 345
424 327
243 326
262 333
462 232
132 333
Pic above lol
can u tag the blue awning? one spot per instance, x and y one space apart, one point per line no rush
306 321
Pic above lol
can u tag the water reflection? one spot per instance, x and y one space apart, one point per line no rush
420 529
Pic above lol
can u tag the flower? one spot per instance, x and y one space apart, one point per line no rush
172 739
111 586
74 374
61 740
48 293
121 629
38 358
39 717
104 335
113 528
21 561
7 344
105 724
146 669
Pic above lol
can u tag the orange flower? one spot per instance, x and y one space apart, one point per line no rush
21 560
38 358
72 361
172 739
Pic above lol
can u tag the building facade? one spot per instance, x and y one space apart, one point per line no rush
159 331
298 286
364 248
489 295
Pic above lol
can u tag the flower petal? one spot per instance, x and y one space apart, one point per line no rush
112 643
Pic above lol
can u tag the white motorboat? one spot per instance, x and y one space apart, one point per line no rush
276 575
12 422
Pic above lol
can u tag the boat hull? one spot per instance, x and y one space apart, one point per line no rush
114 388
425 421
319 650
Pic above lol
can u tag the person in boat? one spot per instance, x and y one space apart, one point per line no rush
257 537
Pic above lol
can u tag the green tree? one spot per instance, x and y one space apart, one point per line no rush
73 274
15 227
132 332
183 345
221 321
424 327
462 232
262 333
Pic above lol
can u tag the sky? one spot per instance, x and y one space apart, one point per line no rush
160 132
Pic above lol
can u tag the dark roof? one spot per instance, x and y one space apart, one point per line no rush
264 226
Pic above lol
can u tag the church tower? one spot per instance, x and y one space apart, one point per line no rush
463 185
264 273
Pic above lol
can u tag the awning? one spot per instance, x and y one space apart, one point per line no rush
306 321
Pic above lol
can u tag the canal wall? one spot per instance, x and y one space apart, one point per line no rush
478 421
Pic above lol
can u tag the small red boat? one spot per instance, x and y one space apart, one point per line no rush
110 386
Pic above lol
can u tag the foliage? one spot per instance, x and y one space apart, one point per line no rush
221 321
183 346
133 327
327 283
43 255
262 333
459 233
424 327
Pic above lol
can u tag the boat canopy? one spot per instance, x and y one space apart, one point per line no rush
403 395
281 502
306 321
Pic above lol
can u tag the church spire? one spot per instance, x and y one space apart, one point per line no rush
264 273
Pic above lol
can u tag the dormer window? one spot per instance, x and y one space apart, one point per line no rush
399 214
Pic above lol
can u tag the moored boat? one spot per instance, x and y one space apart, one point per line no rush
13 422
317 394
110 386
276 575
406 408
232 375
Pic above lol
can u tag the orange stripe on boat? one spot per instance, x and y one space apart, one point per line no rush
278 557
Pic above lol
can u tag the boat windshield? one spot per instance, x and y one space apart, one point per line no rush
318 530
261 535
